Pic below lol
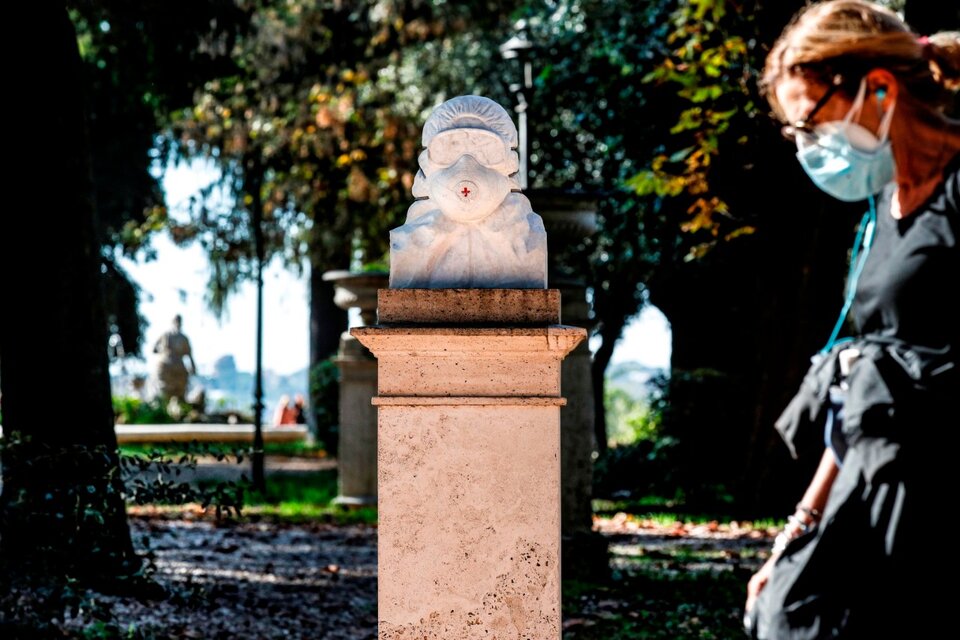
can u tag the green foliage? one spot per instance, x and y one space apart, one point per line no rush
325 389
594 124
133 410
678 458
140 61
306 133
60 514
589 115
641 468
693 405
60 519
152 478
709 66
288 497
629 419
299 449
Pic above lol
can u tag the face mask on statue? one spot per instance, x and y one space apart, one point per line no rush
846 160
467 191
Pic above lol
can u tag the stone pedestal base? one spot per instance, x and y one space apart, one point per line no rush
357 451
469 472
469 519
585 552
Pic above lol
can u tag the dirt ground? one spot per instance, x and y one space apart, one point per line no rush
256 580
265 581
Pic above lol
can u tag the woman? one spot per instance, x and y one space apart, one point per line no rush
285 413
866 102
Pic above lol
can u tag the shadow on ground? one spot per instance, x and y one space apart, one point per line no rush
266 580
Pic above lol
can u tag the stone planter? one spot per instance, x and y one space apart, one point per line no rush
357 456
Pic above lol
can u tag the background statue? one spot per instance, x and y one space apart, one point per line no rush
172 374
470 226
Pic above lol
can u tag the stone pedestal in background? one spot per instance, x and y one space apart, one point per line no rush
357 453
469 462
569 218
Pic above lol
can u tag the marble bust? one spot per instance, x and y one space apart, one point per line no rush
470 226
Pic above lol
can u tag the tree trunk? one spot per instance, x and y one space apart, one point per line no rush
61 509
609 333
327 322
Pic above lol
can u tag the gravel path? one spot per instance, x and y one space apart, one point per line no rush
258 581
265 581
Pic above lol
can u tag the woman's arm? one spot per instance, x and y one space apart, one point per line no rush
815 497
808 513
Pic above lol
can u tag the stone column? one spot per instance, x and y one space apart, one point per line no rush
469 462
569 218
357 451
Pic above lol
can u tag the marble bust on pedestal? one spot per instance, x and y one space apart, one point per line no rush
470 226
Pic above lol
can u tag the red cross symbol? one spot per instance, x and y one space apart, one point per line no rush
465 192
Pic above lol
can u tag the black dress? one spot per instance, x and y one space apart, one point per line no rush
884 543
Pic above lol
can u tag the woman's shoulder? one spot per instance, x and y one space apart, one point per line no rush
941 212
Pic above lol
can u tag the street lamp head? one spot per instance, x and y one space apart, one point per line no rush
518 45
519 48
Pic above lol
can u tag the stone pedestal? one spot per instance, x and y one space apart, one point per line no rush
569 218
469 462
585 552
357 453
357 450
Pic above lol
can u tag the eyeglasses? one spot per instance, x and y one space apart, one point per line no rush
803 127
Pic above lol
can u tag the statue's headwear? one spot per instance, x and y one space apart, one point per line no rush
475 112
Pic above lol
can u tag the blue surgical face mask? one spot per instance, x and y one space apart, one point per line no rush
845 159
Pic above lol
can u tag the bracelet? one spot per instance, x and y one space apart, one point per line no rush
780 543
794 529
811 512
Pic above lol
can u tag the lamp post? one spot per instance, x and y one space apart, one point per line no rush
256 459
518 48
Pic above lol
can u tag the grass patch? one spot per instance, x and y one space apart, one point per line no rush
666 519
297 513
666 512
663 511
300 449
314 488
283 513
645 503
305 497
178 449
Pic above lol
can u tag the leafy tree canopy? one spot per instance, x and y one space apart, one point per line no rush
318 126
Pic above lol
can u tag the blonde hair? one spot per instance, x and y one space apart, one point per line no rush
851 37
